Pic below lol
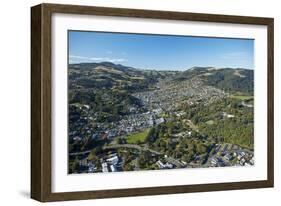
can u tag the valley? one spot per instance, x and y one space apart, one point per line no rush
127 119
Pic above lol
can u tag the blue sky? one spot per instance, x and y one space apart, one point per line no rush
161 52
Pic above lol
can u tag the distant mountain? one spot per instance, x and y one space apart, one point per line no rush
110 75
103 75
90 66
228 79
239 80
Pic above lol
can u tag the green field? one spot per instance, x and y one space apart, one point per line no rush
137 137
240 97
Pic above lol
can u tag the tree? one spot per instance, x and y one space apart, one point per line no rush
141 161
151 136
96 151
128 167
201 148
74 166
121 141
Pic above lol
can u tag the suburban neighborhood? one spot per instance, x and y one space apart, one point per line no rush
163 126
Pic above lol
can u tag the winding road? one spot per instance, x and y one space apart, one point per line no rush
137 147
133 146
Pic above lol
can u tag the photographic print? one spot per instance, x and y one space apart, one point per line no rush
151 102
147 94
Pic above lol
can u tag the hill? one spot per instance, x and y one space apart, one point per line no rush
228 79
107 75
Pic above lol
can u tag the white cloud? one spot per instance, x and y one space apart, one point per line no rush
79 59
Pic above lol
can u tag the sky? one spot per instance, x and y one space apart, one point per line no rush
160 52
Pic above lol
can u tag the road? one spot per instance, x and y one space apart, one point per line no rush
80 153
132 146
137 147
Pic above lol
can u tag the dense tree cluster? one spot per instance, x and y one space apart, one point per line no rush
162 138
224 79
236 129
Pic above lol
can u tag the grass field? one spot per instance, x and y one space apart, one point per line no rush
137 137
240 97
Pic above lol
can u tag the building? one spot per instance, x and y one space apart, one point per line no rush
104 167
111 134
150 121
157 111
113 168
132 109
224 114
159 121
247 105
247 164
228 157
214 161
242 161
77 138
252 161
113 160
104 136
83 163
94 136
91 167
179 114
168 165
161 165
240 155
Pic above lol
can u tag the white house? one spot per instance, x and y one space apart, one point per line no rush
113 160
113 168
214 161
228 157
104 167
159 121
